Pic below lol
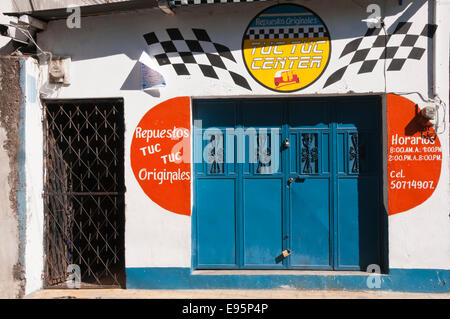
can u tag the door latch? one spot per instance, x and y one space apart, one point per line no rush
290 180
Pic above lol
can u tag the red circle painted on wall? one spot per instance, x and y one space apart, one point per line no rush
414 155
160 155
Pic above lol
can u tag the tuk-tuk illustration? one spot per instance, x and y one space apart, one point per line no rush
285 76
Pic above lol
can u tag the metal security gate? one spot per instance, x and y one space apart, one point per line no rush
288 184
84 192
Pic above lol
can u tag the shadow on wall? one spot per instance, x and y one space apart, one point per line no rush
123 33
416 124
133 81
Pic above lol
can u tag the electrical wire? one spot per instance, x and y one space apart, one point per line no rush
42 90
30 37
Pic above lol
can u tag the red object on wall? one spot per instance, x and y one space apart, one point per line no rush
160 155
414 155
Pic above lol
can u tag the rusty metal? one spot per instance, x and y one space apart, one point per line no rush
84 191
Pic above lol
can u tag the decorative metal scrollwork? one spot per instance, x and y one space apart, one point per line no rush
310 153
354 151
215 156
264 154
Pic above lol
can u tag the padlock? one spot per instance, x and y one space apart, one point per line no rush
286 253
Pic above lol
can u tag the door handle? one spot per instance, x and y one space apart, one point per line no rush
290 181
298 179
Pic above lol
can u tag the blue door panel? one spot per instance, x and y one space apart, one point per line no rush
265 114
340 148
363 114
347 224
223 114
216 222
358 223
310 223
369 221
309 114
325 149
262 222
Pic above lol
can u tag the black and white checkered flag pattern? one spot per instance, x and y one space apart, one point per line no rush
188 56
286 33
396 48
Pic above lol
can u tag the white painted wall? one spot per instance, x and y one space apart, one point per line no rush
104 52
420 238
34 262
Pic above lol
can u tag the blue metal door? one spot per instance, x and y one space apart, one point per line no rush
310 192
295 176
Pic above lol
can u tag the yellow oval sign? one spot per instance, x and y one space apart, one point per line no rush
286 47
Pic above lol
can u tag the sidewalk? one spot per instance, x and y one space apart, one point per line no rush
227 294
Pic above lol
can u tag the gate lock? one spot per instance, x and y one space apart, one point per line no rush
284 254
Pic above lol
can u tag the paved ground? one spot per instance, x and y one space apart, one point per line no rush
227 294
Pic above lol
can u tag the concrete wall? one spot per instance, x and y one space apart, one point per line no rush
21 211
428 226
12 275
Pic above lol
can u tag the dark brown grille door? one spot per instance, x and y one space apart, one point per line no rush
84 191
